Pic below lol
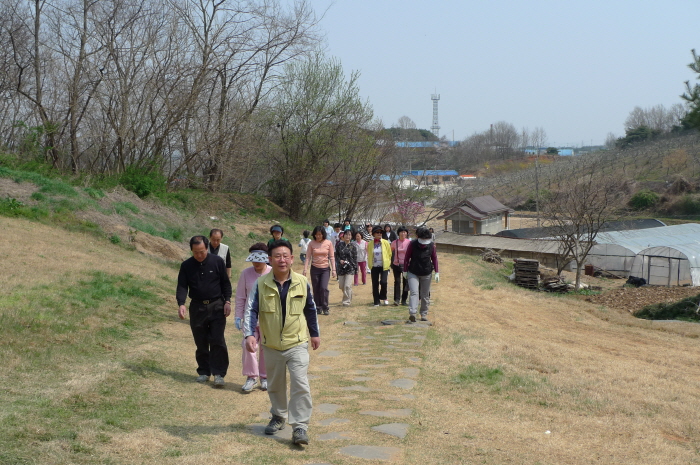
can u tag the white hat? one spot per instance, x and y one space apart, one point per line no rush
258 256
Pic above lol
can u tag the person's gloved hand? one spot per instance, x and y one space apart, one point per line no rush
437 277
238 323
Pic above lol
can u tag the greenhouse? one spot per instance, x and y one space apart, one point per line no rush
617 251
676 265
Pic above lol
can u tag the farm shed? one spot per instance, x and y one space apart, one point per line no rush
676 265
616 251
479 215
543 251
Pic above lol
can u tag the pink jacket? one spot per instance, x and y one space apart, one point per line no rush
245 284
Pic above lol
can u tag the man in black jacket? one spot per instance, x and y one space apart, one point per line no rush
205 276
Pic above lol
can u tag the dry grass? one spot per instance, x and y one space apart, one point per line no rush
608 388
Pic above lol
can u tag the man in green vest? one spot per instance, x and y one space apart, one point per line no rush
282 303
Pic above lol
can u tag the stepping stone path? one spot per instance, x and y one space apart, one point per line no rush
383 362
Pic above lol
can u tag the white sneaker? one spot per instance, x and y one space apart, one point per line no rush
263 384
386 303
249 384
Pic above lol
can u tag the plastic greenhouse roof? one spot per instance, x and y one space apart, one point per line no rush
686 235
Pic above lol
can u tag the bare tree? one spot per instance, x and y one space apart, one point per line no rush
539 138
406 123
577 210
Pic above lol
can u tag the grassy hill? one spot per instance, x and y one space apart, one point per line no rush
670 167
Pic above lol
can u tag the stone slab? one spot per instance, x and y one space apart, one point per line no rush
325 367
371 452
330 353
362 378
347 334
385 359
333 421
380 365
312 376
358 372
394 429
404 383
351 323
336 435
327 408
414 359
392 413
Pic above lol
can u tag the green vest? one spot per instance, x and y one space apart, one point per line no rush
295 331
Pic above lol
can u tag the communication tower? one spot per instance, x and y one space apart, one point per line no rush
435 128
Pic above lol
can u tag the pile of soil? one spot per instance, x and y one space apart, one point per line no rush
632 299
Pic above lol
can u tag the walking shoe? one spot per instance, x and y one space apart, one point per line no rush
376 305
423 318
411 318
202 378
386 303
263 384
404 303
276 424
299 436
219 381
396 304
249 384
325 312
346 305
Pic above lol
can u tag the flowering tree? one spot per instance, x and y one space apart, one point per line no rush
409 210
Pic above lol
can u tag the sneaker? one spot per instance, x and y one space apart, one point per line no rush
249 384
404 303
376 305
423 318
202 378
396 304
412 318
276 424
346 305
299 436
325 312
263 384
219 381
386 303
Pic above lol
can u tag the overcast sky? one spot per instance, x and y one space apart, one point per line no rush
574 68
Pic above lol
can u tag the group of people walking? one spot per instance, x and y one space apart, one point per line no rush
276 308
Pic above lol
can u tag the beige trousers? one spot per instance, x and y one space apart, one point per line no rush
297 410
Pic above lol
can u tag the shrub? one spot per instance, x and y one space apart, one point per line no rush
114 239
644 199
143 181
689 205
686 309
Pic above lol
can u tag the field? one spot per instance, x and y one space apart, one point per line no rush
99 370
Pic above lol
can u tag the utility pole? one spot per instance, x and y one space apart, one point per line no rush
537 186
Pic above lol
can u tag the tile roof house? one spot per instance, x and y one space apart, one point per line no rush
480 215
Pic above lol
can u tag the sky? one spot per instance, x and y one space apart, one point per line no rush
575 68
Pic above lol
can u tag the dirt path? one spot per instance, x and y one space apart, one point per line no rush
503 376
576 388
